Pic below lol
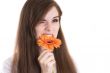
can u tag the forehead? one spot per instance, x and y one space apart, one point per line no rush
51 13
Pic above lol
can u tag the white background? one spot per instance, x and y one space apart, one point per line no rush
86 26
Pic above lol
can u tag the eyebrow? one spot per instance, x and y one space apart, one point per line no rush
56 17
53 18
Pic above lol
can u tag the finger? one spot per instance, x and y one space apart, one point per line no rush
50 66
45 58
43 53
51 58
54 68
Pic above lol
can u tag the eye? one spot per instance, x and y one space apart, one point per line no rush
42 22
55 20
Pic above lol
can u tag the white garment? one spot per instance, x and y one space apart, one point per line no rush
7 65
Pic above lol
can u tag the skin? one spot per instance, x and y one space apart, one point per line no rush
49 25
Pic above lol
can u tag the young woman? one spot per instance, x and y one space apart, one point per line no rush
40 17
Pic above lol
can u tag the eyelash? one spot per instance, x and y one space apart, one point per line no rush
41 22
55 20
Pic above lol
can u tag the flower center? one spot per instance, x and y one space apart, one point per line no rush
49 41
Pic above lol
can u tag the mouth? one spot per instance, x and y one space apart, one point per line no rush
48 34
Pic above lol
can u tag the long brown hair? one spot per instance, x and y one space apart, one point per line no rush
27 51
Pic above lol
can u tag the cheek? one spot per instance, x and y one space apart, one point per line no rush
56 31
57 28
38 31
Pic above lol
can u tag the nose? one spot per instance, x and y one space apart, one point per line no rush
49 27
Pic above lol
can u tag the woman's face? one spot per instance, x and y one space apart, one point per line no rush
49 25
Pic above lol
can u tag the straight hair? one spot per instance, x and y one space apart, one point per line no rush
25 58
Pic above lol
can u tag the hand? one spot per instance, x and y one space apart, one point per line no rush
47 62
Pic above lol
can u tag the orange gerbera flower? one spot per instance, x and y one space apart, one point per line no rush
48 42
